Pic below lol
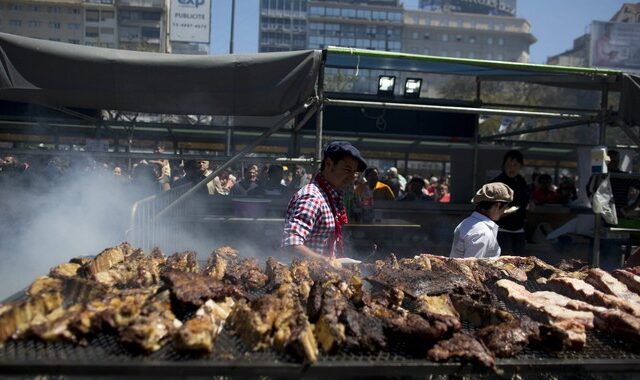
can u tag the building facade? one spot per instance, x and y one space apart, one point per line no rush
486 7
119 24
55 20
465 35
283 25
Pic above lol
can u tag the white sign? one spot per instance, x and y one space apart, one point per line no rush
190 20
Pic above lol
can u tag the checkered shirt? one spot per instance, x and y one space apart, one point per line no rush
309 220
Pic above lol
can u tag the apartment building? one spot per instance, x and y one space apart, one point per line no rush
283 25
55 20
486 7
466 35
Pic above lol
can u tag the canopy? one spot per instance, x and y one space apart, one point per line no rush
65 75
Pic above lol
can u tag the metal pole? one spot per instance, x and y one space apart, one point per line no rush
233 19
434 108
228 142
604 101
320 113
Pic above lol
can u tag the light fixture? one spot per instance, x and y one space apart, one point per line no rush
412 87
386 84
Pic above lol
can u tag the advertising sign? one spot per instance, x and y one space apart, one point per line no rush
190 20
615 45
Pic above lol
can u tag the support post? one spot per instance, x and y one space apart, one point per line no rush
604 104
320 113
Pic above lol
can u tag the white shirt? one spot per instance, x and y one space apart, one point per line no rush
476 236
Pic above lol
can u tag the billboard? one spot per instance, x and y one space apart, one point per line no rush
615 45
190 21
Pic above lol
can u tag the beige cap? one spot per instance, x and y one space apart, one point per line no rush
493 192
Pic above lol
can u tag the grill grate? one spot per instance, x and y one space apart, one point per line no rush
105 355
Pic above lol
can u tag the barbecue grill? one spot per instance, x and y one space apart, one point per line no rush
104 355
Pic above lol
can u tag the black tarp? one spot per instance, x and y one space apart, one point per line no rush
630 100
65 75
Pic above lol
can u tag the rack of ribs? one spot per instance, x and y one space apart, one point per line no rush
580 290
608 284
538 307
200 332
462 346
631 280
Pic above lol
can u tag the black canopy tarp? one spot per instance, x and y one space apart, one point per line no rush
65 75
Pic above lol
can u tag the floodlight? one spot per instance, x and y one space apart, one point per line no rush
412 87
386 84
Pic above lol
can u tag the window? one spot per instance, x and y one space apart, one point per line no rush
73 11
54 9
35 24
414 35
15 23
150 32
500 41
15 7
106 15
426 36
489 56
472 40
74 41
348 12
106 30
92 15
459 38
316 11
34 8
499 57
472 54
363 14
73 26
54 25
445 37
490 40
92 31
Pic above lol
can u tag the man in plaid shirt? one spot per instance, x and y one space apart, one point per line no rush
313 226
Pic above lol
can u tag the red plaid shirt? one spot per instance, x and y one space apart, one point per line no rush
309 220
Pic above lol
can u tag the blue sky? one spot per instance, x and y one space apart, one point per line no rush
555 23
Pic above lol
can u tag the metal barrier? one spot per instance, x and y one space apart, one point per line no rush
146 231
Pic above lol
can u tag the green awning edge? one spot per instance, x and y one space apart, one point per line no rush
476 62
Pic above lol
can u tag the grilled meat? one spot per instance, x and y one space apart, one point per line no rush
65 270
277 273
182 261
539 308
194 289
479 314
105 260
200 332
18 317
608 284
507 339
580 290
462 346
632 281
246 273
155 325
45 283
219 260
438 308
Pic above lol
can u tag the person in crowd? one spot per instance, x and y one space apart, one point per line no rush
316 212
380 190
511 235
432 187
534 182
567 191
299 178
414 191
272 186
444 196
196 171
162 168
393 181
144 180
11 165
545 193
248 183
477 235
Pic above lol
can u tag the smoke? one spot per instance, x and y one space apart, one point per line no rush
49 217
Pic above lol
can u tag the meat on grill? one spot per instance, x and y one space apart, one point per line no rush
154 326
183 261
219 260
539 308
194 289
247 273
478 313
18 317
631 280
580 290
438 308
507 339
105 260
462 346
608 284
200 332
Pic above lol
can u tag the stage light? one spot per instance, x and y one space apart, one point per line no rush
386 85
412 87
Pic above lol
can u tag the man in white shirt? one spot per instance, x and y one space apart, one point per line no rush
477 235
